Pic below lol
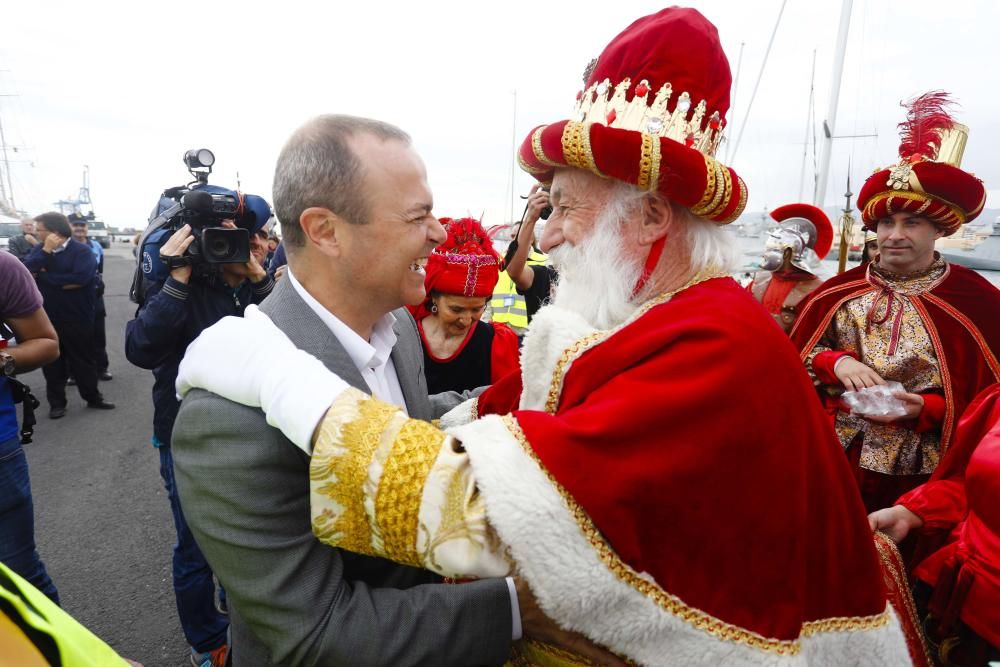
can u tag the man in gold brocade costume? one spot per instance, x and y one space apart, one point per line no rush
909 316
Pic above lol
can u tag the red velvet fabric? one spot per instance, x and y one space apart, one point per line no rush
677 46
505 353
961 316
942 184
694 442
815 215
962 497
501 397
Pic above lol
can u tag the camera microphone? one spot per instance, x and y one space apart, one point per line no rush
197 200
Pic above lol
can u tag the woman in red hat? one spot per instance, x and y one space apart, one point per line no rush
462 352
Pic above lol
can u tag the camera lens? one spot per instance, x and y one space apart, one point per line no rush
219 247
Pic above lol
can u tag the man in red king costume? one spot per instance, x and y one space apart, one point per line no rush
643 504
908 316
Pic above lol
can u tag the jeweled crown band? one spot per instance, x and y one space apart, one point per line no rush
598 104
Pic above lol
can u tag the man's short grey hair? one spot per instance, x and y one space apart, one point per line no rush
709 245
317 168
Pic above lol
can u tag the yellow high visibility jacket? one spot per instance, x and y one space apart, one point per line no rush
507 306
35 631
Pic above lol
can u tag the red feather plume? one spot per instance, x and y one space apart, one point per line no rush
926 117
466 236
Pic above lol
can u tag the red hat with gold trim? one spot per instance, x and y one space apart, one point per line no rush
927 180
651 114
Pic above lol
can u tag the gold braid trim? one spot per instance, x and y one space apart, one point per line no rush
955 212
673 604
739 206
711 169
574 351
645 162
576 147
400 489
536 147
654 172
348 437
670 603
528 168
727 195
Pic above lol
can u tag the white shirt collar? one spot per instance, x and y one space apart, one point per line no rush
364 354
62 246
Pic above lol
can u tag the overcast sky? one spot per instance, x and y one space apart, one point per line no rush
127 87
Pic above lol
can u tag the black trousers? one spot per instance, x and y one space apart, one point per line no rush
76 357
100 337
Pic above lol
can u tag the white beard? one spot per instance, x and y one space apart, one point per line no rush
596 278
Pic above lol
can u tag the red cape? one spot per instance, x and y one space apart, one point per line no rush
694 443
961 315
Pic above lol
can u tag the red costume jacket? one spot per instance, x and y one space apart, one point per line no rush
963 499
961 316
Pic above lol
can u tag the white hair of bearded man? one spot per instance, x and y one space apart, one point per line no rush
596 277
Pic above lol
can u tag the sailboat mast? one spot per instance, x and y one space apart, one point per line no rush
831 117
6 192
809 121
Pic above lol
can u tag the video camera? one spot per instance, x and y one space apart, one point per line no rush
204 208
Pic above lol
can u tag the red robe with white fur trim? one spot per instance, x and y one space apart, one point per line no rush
683 460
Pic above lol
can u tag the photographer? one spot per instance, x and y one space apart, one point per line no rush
532 278
172 314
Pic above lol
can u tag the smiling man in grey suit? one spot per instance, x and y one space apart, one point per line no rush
355 208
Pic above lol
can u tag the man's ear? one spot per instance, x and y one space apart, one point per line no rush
323 229
657 215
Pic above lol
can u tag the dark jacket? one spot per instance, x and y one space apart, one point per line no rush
19 246
75 265
172 316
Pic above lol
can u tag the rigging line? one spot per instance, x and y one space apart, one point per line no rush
760 75
732 100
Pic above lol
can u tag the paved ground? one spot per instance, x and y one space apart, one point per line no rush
103 523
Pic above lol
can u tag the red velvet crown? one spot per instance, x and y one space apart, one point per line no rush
466 263
815 215
651 114
925 181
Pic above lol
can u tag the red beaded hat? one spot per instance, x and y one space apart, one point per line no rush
815 215
651 114
466 263
927 179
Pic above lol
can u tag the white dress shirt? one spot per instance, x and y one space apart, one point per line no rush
372 357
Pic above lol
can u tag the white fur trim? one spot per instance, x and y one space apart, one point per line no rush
552 331
463 413
575 587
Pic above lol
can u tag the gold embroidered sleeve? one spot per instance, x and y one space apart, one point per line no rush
826 343
382 484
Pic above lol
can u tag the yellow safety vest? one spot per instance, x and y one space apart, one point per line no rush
507 306
24 606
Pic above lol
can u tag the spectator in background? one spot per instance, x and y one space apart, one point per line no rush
100 312
21 311
461 352
532 278
21 245
172 314
272 246
66 272
276 267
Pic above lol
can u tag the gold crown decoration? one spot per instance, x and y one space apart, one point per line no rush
597 104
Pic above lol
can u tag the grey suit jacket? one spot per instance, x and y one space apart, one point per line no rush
244 489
